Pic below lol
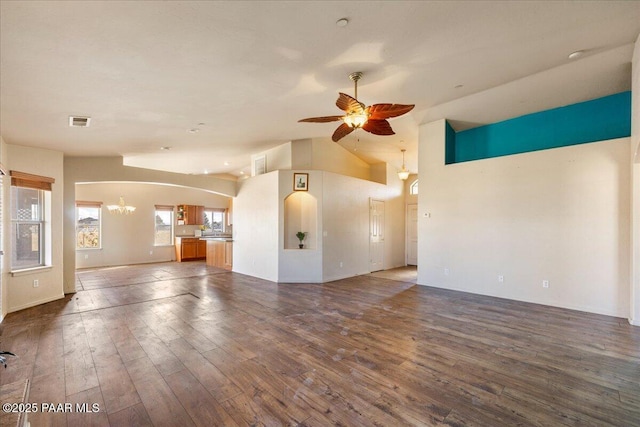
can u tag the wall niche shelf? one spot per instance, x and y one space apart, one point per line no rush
300 214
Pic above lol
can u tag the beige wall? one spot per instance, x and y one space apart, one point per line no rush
129 239
560 215
276 158
329 156
634 316
20 292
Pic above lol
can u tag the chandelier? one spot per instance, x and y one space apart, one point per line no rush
121 208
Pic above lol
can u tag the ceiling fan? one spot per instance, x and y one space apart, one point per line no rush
373 119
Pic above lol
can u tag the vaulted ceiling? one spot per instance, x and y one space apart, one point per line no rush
218 81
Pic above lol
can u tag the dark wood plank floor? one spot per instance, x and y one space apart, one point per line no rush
185 344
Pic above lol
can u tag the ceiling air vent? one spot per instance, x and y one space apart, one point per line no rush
79 122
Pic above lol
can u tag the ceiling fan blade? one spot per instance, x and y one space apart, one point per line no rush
342 131
349 104
324 119
385 111
378 127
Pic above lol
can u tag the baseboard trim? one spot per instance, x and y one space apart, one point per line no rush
35 303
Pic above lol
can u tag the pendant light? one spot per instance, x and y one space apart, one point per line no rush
403 174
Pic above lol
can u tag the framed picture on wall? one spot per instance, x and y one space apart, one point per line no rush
300 182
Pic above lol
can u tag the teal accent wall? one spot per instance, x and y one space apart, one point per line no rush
450 144
590 121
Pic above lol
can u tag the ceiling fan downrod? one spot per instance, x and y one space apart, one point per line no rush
355 76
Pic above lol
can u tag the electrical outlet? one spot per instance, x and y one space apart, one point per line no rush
545 283
340 264
150 252
86 256
36 283
500 278
446 271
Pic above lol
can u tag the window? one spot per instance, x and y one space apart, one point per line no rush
164 225
214 219
30 205
88 225
413 188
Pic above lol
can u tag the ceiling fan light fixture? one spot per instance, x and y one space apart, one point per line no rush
355 120
372 119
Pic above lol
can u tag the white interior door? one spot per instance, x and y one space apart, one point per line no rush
412 234
376 234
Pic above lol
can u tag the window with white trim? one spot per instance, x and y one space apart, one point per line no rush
214 219
413 188
88 225
30 207
163 225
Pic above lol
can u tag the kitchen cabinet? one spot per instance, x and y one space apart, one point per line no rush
190 248
190 215
220 254
227 262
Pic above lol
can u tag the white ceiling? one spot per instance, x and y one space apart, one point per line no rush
243 73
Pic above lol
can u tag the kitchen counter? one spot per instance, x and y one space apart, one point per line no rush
217 238
219 251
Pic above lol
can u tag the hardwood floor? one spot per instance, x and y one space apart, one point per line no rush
183 344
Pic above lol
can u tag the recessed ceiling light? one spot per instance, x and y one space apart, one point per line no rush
576 54
458 86
165 148
227 163
241 172
342 22
194 130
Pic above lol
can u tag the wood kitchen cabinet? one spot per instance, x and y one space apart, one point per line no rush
190 248
227 262
220 254
190 215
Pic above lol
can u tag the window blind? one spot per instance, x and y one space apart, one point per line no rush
27 180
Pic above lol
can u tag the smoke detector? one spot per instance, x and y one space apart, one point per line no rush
79 122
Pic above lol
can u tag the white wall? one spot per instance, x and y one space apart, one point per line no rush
255 227
560 215
295 265
4 207
20 292
129 239
634 316
345 213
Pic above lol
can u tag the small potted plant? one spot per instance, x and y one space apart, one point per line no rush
301 235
